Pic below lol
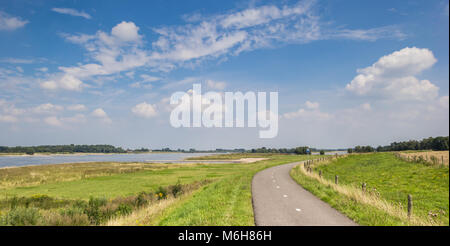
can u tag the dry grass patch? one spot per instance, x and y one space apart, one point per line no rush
431 157
43 174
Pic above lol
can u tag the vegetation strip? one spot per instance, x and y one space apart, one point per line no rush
388 182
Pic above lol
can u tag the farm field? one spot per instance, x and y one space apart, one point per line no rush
95 193
388 180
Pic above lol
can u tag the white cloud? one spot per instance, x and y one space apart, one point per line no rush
393 76
73 12
66 82
312 105
311 113
78 118
144 110
101 114
77 107
253 28
42 69
148 78
8 118
47 108
212 37
9 23
215 85
443 102
126 32
116 52
16 60
53 121
49 85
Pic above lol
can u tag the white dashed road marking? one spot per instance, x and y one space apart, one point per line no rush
284 195
298 210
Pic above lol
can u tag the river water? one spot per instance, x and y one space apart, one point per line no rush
11 161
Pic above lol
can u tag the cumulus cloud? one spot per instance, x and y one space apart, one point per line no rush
65 82
312 105
72 12
99 113
393 76
10 23
212 37
144 110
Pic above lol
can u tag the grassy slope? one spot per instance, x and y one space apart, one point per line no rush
226 202
394 179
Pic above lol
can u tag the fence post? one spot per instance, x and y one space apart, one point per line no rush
320 173
364 187
410 204
336 179
442 158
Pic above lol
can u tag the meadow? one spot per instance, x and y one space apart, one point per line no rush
132 193
388 181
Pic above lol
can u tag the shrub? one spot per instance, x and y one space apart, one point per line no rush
93 210
161 193
21 217
176 189
124 209
141 200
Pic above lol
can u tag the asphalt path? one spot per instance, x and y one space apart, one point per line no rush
279 201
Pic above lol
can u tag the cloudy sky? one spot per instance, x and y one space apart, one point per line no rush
348 72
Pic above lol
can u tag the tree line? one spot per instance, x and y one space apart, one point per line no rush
436 143
298 150
99 148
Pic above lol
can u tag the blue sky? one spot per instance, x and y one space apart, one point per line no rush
347 72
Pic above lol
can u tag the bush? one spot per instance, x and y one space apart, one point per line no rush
93 210
161 193
322 152
124 209
21 217
141 200
176 189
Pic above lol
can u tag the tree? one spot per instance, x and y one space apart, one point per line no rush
322 152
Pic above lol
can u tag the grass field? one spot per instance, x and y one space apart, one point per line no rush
99 192
430 157
389 180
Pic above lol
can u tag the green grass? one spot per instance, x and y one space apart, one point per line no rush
125 184
227 202
393 178
232 156
360 213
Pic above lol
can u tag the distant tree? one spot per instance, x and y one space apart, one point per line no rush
301 150
322 152
349 150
